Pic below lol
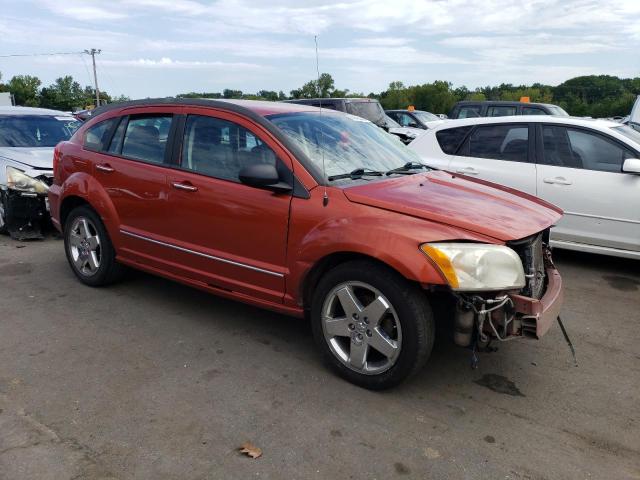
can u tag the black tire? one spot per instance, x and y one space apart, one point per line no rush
3 217
108 271
413 313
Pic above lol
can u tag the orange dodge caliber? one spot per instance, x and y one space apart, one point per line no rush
307 212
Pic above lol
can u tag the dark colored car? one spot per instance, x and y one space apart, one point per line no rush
468 109
414 118
306 213
367 108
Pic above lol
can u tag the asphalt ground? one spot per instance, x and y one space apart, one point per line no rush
149 379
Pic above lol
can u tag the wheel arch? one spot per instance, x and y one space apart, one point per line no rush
332 260
83 189
68 204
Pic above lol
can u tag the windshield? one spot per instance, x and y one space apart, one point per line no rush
35 130
555 110
426 116
372 111
347 142
628 132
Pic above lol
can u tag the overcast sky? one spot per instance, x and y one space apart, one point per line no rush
165 47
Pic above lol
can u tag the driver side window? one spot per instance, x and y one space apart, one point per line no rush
220 148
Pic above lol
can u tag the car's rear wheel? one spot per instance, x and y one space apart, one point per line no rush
373 327
89 249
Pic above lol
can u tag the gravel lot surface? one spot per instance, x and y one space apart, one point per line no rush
149 379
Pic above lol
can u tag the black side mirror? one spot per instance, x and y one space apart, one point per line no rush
263 175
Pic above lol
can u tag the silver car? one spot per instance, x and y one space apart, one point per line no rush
27 138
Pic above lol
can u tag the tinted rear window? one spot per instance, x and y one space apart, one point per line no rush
470 111
451 138
501 111
499 142
146 138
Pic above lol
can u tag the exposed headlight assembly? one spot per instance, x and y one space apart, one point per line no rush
477 266
19 181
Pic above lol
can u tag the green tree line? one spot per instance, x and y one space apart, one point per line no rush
63 94
591 95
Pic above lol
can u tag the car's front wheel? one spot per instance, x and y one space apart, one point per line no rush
89 249
373 327
3 215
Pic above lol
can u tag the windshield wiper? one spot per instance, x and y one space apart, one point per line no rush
356 174
408 167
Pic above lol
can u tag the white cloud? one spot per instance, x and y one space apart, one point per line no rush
166 62
80 10
383 41
364 44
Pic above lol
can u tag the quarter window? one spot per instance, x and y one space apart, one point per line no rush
451 138
96 137
499 142
220 149
575 148
146 138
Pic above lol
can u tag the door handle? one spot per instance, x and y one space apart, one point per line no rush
557 181
468 171
187 187
105 167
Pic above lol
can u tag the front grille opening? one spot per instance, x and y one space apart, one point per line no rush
531 253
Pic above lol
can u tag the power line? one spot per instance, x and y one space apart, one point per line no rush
39 54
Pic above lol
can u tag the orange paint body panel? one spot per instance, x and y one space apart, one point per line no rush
257 245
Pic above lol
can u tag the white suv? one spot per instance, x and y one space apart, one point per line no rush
589 168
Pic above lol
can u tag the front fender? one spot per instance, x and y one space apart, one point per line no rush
351 228
86 187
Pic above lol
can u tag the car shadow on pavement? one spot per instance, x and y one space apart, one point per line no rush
286 336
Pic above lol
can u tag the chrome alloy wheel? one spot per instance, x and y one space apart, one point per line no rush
361 328
84 246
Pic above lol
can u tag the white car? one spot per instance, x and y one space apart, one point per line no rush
589 168
27 138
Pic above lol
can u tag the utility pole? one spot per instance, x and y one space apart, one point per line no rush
93 53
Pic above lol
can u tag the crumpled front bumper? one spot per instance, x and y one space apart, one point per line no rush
25 213
537 316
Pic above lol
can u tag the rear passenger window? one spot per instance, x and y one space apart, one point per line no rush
451 138
501 111
116 141
469 112
533 111
499 142
146 138
97 137
219 148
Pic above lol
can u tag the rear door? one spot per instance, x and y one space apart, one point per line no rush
501 153
224 233
581 171
133 172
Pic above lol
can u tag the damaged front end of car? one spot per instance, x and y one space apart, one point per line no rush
506 292
24 210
